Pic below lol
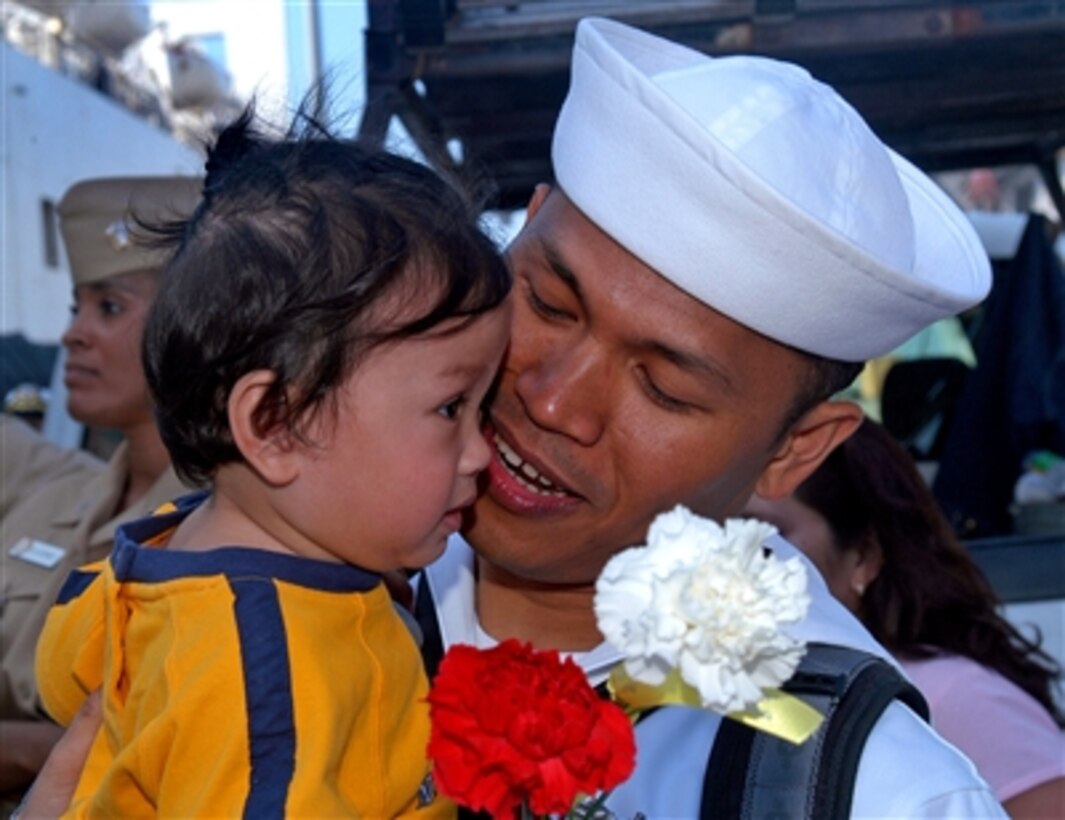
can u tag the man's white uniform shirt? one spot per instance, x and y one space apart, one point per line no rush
906 770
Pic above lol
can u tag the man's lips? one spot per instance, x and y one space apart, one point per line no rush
517 483
524 471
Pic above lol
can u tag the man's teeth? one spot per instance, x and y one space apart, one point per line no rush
525 473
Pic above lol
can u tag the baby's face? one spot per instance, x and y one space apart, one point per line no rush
398 460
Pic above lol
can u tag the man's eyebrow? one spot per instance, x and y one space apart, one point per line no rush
693 362
701 366
561 269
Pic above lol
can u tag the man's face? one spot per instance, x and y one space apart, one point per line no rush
620 397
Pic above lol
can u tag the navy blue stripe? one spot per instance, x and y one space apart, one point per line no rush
132 562
75 584
268 694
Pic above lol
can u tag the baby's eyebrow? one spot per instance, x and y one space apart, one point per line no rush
464 369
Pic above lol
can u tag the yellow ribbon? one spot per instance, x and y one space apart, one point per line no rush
778 713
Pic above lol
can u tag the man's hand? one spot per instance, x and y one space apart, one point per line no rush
55 785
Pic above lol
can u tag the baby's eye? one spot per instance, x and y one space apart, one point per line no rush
450 410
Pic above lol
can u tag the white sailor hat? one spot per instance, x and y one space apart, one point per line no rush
762 193
96 219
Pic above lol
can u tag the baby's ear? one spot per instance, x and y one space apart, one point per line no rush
270 453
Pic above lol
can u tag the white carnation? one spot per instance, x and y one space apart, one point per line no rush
707 601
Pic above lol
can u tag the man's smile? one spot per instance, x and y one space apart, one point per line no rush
523 471
520 485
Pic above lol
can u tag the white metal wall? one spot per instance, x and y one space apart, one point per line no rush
56 131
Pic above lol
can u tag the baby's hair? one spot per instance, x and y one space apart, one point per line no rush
306 252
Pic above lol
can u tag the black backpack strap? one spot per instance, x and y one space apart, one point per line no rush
432 653
425 614
875 684
751 774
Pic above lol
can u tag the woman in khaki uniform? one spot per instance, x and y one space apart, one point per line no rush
60 508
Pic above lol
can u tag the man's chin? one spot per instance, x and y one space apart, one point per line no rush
535 548
492 528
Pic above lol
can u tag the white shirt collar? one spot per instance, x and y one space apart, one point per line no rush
451 581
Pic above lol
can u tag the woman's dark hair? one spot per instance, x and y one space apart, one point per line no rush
929 595
305 253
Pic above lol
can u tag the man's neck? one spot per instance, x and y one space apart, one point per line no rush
547 616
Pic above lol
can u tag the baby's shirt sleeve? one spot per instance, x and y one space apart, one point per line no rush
70 651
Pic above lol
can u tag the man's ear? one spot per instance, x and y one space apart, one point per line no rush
270 453
809 441
539 195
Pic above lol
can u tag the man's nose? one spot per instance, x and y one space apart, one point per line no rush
568 391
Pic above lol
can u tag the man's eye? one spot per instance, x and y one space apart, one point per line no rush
662 399
450 410
109 307
543 308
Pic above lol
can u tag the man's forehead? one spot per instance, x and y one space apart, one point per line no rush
652 313
568 240
583 254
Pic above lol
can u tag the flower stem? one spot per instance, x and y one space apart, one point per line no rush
589 809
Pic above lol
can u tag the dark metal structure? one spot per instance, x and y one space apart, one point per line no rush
951 84
948 83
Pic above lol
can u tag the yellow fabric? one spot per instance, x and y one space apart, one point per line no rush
176 730
69 661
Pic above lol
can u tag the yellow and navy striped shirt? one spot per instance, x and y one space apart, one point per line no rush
237 682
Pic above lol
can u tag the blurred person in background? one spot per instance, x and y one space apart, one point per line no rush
869 522
60 507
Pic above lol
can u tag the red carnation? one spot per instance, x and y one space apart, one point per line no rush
511 725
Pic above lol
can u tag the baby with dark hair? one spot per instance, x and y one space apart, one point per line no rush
323 340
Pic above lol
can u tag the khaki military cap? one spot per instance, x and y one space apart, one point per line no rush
96 218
